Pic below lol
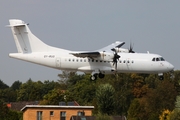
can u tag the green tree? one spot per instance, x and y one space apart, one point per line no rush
7 114
156 100
175 114
123 96
3 85
105 98
16 85
68 79
100 116
53 97
134 110
30 91
83 91
3 111
8 95
35 90
139 85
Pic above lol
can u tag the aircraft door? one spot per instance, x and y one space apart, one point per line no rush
58 62
128 63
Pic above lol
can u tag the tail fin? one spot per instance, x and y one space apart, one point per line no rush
25 41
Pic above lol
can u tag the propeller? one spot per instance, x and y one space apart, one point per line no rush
131 49
115 58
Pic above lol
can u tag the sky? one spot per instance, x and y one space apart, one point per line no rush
152 26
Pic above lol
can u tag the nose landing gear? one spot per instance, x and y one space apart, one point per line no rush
161 76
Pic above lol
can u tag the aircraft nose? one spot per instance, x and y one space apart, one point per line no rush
170 67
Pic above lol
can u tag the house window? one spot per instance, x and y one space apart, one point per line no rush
80 113
51 113
63 115
39 115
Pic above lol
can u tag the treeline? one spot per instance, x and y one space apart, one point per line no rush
137 96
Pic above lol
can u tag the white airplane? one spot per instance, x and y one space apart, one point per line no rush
108 60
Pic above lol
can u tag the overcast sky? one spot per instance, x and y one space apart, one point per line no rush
152 25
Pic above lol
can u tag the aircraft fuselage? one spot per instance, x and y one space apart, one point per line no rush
128 62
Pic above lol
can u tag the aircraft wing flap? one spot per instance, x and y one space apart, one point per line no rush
87 54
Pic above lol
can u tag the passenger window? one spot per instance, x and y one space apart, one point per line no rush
76 60
92 60
81 60
96 60
84 60
132 61
124 61
69 59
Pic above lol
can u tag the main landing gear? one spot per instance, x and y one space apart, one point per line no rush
94 76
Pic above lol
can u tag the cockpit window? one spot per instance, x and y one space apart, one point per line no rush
158 59
162 59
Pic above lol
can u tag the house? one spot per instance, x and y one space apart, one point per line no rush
54 112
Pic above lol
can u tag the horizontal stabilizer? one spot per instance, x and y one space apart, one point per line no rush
16 23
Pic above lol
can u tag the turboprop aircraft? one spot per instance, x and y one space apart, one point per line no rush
108 60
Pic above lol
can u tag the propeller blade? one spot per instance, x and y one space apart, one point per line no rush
115 60
131 49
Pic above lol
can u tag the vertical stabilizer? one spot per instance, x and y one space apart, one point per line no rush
25 41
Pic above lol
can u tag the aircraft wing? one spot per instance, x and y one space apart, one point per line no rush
108 48
87 54
97 53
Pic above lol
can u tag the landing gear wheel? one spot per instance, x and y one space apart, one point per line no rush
101 75
93 77
161 77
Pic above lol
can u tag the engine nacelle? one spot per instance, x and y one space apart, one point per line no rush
121 50
106 56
